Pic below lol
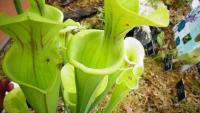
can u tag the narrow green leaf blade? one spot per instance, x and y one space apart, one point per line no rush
69 87
111 81
119 92
87 87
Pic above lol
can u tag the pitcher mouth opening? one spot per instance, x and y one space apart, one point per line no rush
76 53
97 71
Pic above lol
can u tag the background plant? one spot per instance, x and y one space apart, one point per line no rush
169 2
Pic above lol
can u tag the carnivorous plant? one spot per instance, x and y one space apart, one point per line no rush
98 59
95 59
33 59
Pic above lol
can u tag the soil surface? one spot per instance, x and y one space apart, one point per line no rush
78 9
157 91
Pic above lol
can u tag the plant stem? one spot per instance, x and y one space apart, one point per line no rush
40 5
119 92
18 6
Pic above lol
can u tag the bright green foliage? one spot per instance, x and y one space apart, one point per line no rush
161 40
97 59
129 76
18 6
15 102
69 89
33 59
96 54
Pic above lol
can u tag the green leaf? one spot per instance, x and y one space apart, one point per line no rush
15 102
160 39
33 59
111 81
18 6
68 78
87 51
102 86
128 78
138 69
132 5
120 21
87 87
69 87
119 92
37 6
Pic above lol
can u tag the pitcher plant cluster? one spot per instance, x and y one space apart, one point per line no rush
94 60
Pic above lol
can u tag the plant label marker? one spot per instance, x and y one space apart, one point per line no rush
186 35
149 49
143 34
168 63
155 31
198 68
180 90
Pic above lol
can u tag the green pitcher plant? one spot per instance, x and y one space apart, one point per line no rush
96 60
15 102
33 59
99 59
